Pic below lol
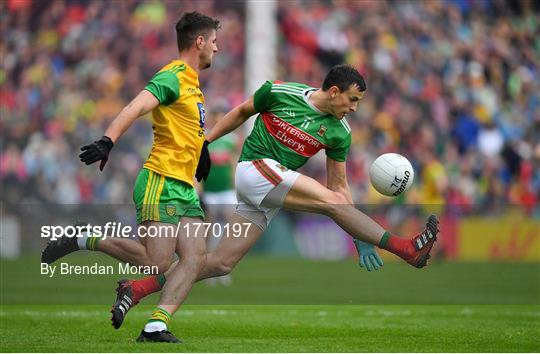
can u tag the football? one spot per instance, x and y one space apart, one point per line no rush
391 174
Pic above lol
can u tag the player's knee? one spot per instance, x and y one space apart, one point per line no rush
162 266
225 266
223 269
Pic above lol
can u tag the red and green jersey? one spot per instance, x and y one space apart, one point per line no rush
290 129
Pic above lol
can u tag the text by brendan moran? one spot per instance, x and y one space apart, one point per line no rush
96 269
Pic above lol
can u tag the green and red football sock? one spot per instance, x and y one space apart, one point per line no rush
401 247
146 286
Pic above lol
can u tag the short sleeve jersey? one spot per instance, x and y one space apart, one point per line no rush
290 129
177 122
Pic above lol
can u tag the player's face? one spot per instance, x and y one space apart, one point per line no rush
208 50
344 102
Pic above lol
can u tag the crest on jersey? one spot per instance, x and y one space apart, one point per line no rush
322 130
288 112
170 210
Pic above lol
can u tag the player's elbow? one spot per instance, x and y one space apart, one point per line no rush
246 110
242 115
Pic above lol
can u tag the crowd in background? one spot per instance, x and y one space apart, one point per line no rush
69 67
452 85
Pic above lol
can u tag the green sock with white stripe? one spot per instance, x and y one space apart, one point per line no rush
87 241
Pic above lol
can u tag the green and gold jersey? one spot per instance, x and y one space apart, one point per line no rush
177 122
290 129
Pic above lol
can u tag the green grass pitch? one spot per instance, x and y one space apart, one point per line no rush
286 305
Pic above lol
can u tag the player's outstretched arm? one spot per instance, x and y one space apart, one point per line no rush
368 257
99 150
143 103
232 120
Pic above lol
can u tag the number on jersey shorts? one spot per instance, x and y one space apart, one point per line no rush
261 186
164 199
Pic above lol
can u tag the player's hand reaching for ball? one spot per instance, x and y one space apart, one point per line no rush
98 150
368 256
203 168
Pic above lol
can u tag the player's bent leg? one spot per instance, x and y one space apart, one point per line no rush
309 195
219 262
176 203
191 248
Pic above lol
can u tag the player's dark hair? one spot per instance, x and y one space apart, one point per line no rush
192 25
343 76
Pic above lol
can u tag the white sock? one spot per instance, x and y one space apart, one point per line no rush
155 326
81 239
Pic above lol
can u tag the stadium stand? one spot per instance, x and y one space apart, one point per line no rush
458 89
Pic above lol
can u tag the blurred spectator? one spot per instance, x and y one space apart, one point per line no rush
68 67
461 74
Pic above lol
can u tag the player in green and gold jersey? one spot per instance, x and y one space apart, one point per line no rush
164 192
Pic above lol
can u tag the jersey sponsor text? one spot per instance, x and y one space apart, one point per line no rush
292 137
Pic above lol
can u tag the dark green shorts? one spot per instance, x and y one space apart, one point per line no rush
164 199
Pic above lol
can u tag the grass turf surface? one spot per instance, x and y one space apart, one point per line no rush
289 328
289 305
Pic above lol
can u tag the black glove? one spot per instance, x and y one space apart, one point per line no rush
203 168
98 150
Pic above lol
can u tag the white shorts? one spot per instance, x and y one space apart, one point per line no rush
261 187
